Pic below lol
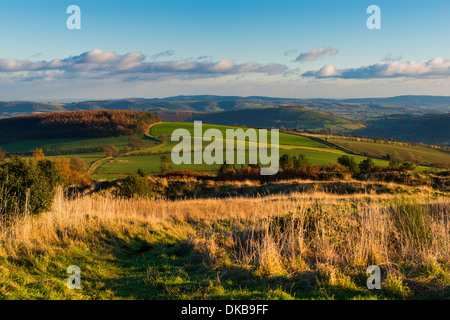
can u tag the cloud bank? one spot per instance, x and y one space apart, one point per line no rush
436 67
102 64
133 66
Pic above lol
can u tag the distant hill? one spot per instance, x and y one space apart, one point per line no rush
414 100
357 109
408 100
217 98
430 128
105 123
287 116
317 114
17 108
169 104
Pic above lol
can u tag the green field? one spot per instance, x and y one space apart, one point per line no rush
150 163
67 144
397 151
285 139
149 159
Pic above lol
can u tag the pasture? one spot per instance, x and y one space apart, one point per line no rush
396 150
148 158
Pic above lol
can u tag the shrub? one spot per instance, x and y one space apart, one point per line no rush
27 185
366 165
348 162
77 164
134 186
407 166
141 172
50 171
226 171
394 164
301 161
69 176
227 167
286 162
165 164
186 174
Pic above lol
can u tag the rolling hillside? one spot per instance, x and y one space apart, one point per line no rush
348 108
288 116
392 116
18 108
407 100
430 128
149 159
391 150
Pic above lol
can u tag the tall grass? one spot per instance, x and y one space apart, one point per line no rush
281 235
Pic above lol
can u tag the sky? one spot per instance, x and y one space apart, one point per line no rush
278 48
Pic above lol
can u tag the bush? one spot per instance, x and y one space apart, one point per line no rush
165 164
394 165
366 165
186 174
141 172
301 161
69 176
77 164
286 162
348 162
134 186
27 185
407 166
226 171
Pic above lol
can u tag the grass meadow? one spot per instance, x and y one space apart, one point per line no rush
311 245
397 150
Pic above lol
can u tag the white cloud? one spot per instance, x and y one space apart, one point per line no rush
315 54
104 64
436 67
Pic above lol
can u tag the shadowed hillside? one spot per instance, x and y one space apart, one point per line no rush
75 124
289 117
429 128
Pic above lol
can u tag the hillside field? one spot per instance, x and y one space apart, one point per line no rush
66 144
398 151
148 158
202 237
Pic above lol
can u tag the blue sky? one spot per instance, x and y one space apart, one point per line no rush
248 47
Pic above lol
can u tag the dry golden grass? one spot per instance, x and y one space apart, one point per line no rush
284 235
